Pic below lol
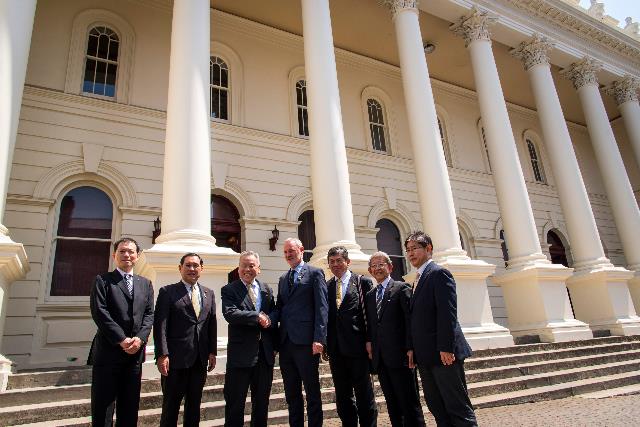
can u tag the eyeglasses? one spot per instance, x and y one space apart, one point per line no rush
377 266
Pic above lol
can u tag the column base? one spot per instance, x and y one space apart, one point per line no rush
5 371
537 302
474 308
160 265
634 289
601 298
359 260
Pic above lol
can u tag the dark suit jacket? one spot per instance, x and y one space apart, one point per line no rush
176 331
245 333
302 313
434 318
346 332
390 334
119 316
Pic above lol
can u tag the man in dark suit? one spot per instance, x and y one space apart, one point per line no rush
438 343
122 308
185 338
246 304
389 343
301 311
346 339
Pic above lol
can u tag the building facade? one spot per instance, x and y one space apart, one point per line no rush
509 130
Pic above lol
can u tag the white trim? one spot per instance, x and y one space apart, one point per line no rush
449 150
82 24
299 203
236 82
483 146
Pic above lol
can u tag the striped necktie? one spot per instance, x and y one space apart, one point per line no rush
379 299
338 292
195 300
128 279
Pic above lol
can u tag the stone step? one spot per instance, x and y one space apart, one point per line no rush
477 362
558 391
497 386
611 392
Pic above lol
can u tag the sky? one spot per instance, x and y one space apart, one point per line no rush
619 9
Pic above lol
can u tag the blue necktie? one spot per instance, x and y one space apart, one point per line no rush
379 296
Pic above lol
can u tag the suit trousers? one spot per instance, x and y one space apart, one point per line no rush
236 382
351 374
299 366
400 389
117 384
445 391
187 383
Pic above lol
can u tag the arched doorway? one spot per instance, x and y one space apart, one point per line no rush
225 227
307 233
556 249
388 240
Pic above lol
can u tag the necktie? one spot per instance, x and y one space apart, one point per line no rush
379 296
338 292
195 301
128 279
415 282
252 295
291 281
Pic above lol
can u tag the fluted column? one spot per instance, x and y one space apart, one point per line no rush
186 182
434 188
329 170
533 288
625 92
16 26
599 290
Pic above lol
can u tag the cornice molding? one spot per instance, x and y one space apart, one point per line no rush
583 72
533 52
473 26
624 90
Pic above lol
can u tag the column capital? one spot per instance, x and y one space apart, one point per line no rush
533 52
623 90
400 5
583 72
474 26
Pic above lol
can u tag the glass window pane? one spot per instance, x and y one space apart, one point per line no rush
300 121
215 75
103 46
224 78
110 88
92 45
306 122
224 114
215 103
73 278
101 76
113 50
89 75
307 230
85 212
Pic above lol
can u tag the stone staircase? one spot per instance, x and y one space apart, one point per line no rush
525 373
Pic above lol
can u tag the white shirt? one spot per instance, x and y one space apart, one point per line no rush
189 288
423 266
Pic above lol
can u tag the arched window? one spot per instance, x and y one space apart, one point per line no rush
219 88
377 125
445 143
225 223
307 233
536 163
503 246
556 249
84 232
101 62
301 106
389 241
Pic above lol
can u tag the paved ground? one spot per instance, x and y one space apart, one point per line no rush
573 412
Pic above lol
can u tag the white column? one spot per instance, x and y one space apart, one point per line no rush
434 188
534 289
329 170
616 182
16 26
599 291
625 92
186 183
